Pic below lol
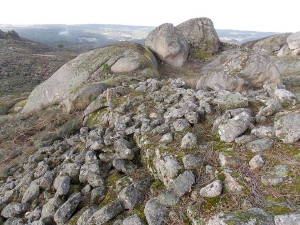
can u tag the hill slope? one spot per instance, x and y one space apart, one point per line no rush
24 64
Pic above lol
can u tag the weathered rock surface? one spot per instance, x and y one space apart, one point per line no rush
212 190
82 96
201 35
250 216
64 213
287 128
168 44
271 45
234 127
237 71
294 40
291 219
155 213
73 74
106 213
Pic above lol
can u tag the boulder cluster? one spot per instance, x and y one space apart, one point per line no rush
292 47
195 37
154 151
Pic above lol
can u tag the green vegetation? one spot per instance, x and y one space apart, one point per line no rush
202 55
106 68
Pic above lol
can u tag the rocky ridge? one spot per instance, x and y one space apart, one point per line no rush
154 151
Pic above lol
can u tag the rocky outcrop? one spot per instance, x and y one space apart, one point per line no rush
9 35
292 46
168 44
270 45
90 64
294 41
238 71
201 35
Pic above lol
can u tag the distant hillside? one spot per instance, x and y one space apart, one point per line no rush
24 64
239 37
81 37
85 37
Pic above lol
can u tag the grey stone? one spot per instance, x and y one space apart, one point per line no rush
181 124
227 100
62 185
260 145
166 138
287 128
263 131
250 216
14 209
231 184
168 44
98 194
256 162
31 193
49 210
41 169
227 160
155 213
238 70
34 215
133 194
212 190
244 139
234 127
189 141
272 106
294 40
14 221
106 213
191 162
47 179
183 183
271 180
168 198
76 72
124 166
72 170
201 35
166 166
287 219
132 220
64 213
286 98
270 45
123 149
86 215
81 97
192 117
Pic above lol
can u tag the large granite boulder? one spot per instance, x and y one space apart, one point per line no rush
168 44
294 41
237 71
271 45
201 35
119 58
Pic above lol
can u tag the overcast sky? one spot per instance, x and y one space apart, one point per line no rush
258 15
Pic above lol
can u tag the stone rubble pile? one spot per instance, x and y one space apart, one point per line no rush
151 133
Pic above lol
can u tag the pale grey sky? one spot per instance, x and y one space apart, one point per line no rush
258 15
